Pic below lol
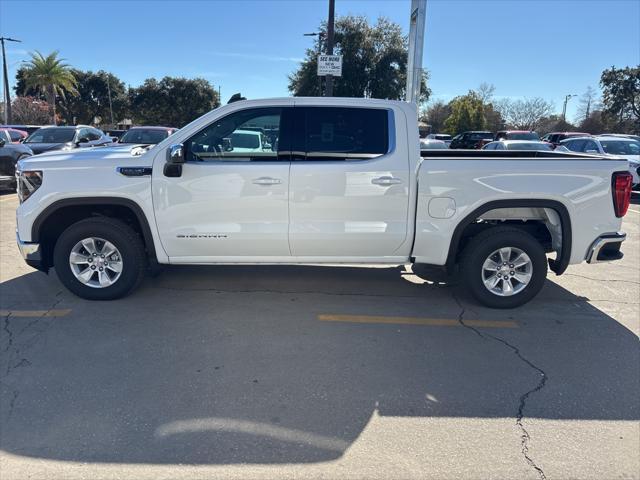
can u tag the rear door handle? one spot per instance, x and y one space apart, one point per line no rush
386 181
267 181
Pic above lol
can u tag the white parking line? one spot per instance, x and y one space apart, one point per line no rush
634 211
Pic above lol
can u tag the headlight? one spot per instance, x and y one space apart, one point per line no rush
28 182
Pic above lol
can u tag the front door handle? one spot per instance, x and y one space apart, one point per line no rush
267 181
386 181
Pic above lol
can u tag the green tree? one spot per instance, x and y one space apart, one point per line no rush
172 102
467 113
374 62
92 99
621 96
51 77
435 115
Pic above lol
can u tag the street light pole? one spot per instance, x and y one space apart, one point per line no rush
416 42
328 91
564 107
7 95
320 35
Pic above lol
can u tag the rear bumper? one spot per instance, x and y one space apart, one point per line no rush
31 253
606 248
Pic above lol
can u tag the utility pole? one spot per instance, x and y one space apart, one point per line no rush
416 42
7 95
564 107
328 90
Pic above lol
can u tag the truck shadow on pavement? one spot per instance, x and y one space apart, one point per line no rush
225 365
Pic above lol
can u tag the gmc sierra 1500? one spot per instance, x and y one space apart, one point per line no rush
331 180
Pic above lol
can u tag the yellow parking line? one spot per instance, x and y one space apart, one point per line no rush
433 322
35 313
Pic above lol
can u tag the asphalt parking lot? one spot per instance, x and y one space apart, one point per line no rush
319 372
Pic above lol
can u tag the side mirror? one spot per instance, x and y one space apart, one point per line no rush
82 140
175 159
2 142
175 154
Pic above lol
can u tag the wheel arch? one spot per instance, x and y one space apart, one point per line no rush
557 265
56 217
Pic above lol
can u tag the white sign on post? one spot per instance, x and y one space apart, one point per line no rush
330 65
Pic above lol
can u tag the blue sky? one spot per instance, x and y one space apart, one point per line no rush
525 48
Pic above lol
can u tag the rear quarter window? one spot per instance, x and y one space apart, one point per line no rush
345 133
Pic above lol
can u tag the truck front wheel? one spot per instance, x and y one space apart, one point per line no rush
504 267
99 258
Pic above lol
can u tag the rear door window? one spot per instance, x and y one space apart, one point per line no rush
343 133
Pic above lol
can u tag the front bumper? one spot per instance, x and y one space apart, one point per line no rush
606 248
32 254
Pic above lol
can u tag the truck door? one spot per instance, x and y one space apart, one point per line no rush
349 182
231 199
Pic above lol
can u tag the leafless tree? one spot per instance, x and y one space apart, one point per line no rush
524 114
485 92
589 101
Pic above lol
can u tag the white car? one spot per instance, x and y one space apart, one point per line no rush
430 144
345 182
441 136
531 145
610 146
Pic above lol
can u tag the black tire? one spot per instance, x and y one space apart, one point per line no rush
123 237
480 248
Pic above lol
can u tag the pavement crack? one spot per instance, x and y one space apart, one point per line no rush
543 377
6 328
601 279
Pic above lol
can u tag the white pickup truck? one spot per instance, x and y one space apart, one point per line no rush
341 181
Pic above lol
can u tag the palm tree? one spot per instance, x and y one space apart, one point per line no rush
51 76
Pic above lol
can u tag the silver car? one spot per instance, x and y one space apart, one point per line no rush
533 145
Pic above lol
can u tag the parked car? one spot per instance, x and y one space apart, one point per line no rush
470 140
10 154
347 185
25 128
12 135
512 135
146 135
610 146
432 144
554 138
440 136
623 135
518 145
66 138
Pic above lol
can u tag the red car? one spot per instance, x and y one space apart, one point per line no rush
554 138
13 135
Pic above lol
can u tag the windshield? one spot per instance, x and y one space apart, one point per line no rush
621 147
144 135
481 136
522 136
245 140
51 135
528 146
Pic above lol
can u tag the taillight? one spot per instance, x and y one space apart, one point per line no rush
621 190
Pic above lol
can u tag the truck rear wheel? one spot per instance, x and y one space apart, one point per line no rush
99 259
504 267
